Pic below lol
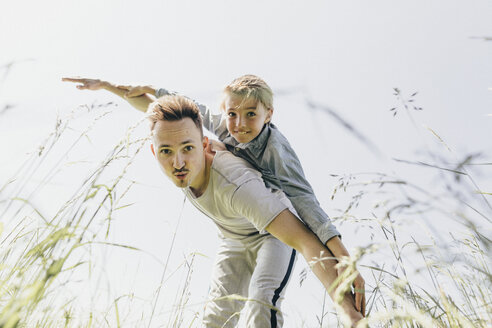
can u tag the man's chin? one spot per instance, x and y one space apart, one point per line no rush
180 183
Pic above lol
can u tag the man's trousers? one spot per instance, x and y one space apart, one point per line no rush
258 269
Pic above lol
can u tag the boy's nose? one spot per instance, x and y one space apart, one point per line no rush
241 121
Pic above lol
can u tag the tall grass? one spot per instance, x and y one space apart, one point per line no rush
424 280
432 240
417 274
44 256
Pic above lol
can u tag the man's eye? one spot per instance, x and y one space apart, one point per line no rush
251 114
165 151
188 148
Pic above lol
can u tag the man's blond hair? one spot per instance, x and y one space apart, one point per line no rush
174 108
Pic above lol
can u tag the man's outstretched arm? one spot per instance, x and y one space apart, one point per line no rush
140 102
290 230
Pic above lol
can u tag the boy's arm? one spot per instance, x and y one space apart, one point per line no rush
141 96
140 102
211 122
284 170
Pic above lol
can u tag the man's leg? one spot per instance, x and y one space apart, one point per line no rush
231 275
274 265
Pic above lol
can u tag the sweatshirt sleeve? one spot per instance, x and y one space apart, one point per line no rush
286 168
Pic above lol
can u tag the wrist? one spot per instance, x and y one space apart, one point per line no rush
105 85
336 247
149 89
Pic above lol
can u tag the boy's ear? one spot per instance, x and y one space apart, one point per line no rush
152 148
268 118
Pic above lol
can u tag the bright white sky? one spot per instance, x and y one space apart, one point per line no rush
346 55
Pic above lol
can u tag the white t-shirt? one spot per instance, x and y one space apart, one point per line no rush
236 198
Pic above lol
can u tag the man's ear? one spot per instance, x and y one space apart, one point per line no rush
205 142
152 148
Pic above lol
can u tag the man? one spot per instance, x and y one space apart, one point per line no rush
250 262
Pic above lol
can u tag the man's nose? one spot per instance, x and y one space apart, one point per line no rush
178 161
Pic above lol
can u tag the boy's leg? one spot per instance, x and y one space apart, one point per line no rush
231 275
274 265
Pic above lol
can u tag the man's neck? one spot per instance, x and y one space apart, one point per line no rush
202 184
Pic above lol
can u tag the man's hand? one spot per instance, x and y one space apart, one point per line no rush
360 294
86 84
338 250
359 289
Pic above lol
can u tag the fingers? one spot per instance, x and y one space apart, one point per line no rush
360 297
360 303
363 312
85 82
72 79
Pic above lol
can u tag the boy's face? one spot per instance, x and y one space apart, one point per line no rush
179 148
245 117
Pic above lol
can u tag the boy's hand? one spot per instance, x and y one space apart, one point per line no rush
87 84
141 103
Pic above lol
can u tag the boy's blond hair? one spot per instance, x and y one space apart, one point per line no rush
247 86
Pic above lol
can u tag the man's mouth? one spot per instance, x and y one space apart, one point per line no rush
180 175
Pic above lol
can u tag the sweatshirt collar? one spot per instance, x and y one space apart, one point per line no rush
257 145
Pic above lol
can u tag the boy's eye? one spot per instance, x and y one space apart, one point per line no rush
231 114
251 114
165 151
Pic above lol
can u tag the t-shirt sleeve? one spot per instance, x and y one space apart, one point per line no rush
259 204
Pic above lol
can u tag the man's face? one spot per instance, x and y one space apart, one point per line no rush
245 117
179 148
